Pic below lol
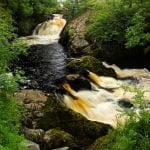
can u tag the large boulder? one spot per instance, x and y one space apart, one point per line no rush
92 64
35 135
55 138
57 115
78 82
76 32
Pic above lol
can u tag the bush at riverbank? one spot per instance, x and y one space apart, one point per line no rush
10 111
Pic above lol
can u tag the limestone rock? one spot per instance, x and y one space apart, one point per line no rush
76 32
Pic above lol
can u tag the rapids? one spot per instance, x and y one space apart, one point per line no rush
104 106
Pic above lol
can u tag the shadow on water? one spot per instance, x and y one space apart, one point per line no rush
44 65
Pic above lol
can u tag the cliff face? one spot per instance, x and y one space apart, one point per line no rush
77 44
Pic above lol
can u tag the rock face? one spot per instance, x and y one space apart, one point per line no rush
76 31
78 82
33 100
92 64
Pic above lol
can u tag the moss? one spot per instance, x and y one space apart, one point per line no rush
56 138
92 64
71 32
91 52
99 144
58 115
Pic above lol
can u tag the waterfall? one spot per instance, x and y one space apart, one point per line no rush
47 32
105 106
46 61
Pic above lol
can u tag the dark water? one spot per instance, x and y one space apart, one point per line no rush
44 65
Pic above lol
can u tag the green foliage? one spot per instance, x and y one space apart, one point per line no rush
135 34
135 134
109 22
30 12
121 22
10 111
8 50
74 8
24 8
10 123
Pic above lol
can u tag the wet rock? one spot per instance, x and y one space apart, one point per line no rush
35 135
62 148
31 145
125 103
92 64
99 144
57 115
78 82
56 138
76 31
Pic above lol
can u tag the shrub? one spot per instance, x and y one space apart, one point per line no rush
120 22
10 111
135 33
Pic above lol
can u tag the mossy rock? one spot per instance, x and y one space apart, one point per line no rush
100 144
57 115
55 138
35 135
77 82
76 30
92 64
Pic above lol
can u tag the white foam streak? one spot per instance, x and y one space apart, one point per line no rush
104 104
47 32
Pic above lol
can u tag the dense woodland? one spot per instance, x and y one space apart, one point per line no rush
123 23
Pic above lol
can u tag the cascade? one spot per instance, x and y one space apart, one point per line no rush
47 32
46 61
103 105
